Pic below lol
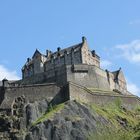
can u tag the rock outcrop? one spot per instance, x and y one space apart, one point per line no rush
71 120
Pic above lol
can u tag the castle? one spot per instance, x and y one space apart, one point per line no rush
77 64
73 73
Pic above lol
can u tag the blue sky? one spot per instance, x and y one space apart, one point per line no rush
112 28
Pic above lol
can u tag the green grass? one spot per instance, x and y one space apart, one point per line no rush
137 109
112 135
112 130
113 110
73 118
52 110
102 91
117 131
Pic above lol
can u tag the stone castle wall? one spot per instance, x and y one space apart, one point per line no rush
88 76
56 94
32 93
79 93
53 74
83 74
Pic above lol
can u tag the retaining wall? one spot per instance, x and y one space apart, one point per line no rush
77 92
31 92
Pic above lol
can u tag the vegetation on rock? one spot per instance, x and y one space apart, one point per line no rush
74 120
123 124
51 111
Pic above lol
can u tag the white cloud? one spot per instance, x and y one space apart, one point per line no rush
5 73
133 88
105 64
130 51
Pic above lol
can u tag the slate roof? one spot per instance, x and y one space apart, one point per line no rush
37 51
55 54
68 50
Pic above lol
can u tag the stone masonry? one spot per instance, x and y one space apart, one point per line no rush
77 64
52 76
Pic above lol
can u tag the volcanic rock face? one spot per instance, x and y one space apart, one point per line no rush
35 110
71 120
74 122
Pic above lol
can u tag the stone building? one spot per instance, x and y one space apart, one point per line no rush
77 54
117 80
76 64
73 73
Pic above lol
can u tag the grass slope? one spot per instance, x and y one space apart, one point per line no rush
121 123
124 124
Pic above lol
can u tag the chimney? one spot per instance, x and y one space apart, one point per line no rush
28 60
5 82
48 53
84 39
65 52
58 49
93 53
52 59
65 57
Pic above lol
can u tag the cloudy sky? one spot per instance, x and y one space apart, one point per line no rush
112 28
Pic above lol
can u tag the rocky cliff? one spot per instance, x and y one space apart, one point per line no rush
72 120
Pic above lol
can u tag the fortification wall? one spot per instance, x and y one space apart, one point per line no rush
56 94
88 76
53 74
38 78
83 74
77 92
32 93
57 74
